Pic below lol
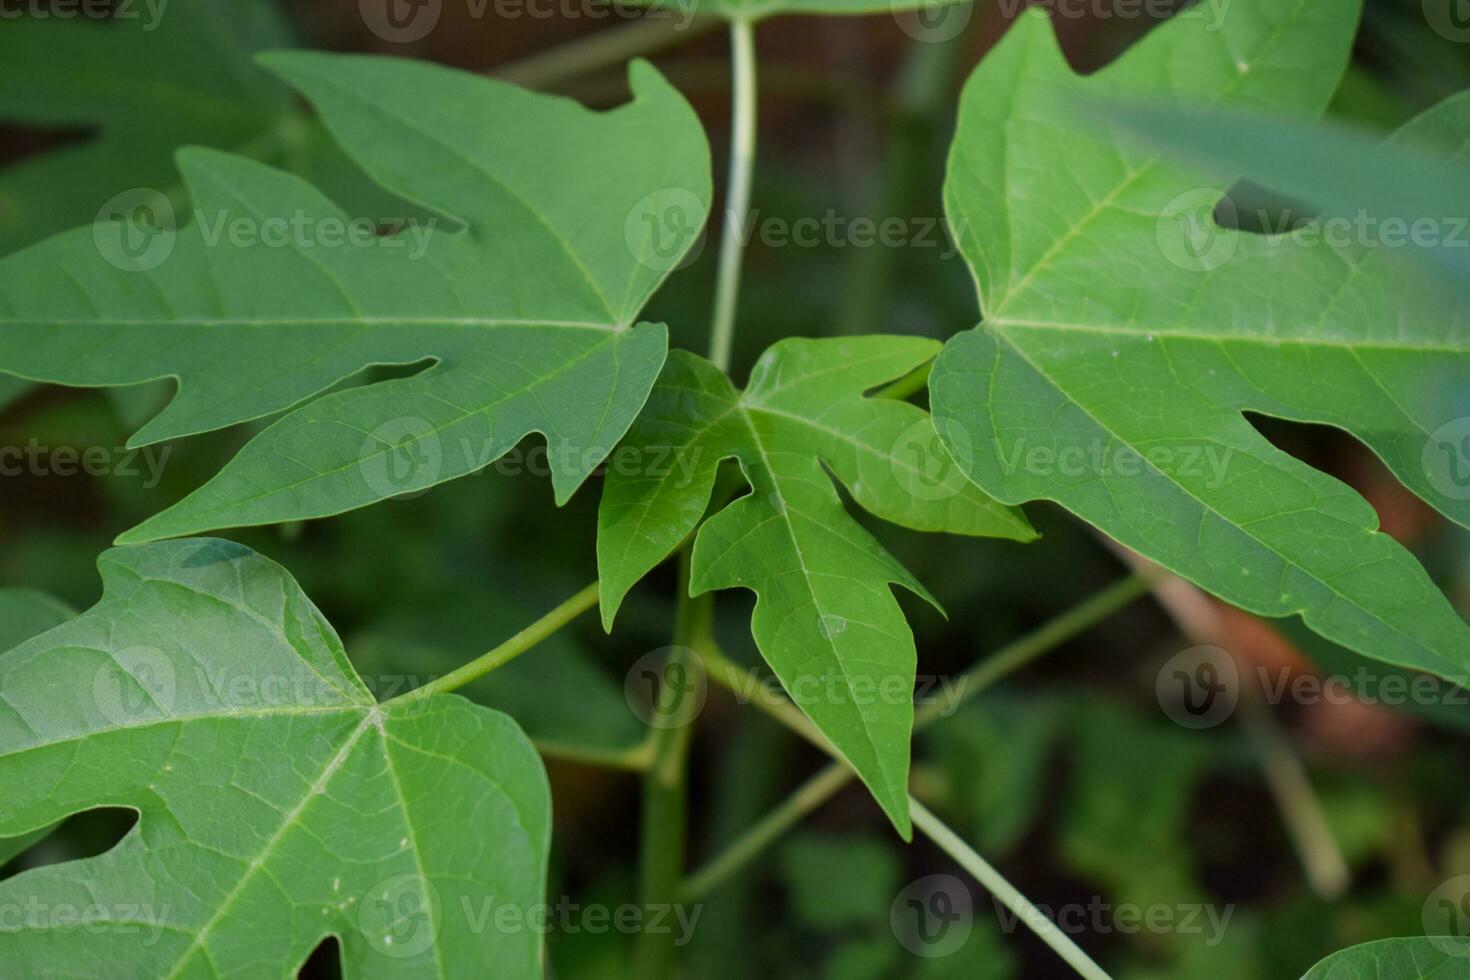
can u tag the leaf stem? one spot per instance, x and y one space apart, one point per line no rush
808 797
511 648
737 198
826 784
604 49
663 828
729 674
636 759
1038 642
995 883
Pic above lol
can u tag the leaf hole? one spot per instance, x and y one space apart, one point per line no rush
325 962
1340 455
80 836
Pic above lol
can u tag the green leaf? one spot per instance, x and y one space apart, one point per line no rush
280 804
527 310
826 618
189 80
1119 354
1396 959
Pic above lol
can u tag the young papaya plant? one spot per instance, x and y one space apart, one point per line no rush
394 276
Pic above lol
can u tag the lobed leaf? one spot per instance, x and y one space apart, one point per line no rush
280 804
1127 333
826 618
566 221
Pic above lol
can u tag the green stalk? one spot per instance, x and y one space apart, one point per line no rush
810 795
1040 641
511 648
604 49
665 784
737 198
829 781
995 883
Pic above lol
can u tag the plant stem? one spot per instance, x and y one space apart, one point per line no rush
907 386
729 675
665 783
636 759
511 648
829 781
810 795
602 49
1042 640
737 198
995 883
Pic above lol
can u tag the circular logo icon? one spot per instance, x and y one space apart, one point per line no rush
1450 19
397 916
922 464
136 230
933 916
932 21
1189 234
136 685
664 691
665 230
1447 459
1446 916
402 458
1198 687
401 21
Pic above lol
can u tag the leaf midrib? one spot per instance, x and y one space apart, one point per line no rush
784 508
371 718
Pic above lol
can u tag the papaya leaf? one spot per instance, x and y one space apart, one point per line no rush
1396 959
526 309
1125 336
826 618
279 802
